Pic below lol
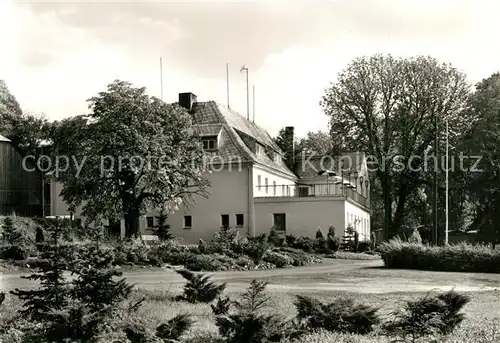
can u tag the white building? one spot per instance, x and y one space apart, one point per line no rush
253 190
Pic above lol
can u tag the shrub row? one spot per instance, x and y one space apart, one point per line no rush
462 257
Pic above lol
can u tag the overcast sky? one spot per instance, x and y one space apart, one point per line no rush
55 55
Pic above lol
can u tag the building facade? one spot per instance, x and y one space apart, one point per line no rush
253 190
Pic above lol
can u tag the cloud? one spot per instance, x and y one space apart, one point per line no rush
58 54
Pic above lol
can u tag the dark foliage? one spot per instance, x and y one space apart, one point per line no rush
2 298
290 240
199 289
247 325
10 234
221 307
52 294
13 252
94 284
275 238
162 230
342 315
432 315
39 236
174 328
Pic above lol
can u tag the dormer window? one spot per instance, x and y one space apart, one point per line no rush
277 158
259 150
209 143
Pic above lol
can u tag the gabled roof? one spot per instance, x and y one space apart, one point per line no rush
4 139
236 136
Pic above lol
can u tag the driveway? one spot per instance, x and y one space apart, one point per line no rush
333 275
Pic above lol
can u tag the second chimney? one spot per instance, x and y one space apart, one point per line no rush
187 100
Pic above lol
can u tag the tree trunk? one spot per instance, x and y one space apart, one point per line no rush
386 194
132 223
399 214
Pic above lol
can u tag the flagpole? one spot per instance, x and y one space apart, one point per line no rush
253 99
161 78
446 221
227 84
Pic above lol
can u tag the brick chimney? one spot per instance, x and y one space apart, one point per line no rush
187 100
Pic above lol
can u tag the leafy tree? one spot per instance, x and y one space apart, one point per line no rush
482 140
388 108
9 110
138 153
319 143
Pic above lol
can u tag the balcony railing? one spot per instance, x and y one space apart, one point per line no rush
313 190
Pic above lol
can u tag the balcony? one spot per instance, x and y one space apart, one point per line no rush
311 190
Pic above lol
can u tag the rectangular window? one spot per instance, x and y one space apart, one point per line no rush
282 189
151 221
266 185
188 222
274 187
209 143
239 220
259 181
279 221
288 190
224 218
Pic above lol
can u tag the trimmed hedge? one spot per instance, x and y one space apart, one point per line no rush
462 257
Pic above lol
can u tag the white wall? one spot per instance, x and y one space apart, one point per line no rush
303 214
359 219
229 194
287 181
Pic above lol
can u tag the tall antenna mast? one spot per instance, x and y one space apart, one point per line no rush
161 78
245 69
253 99
447 186
227 84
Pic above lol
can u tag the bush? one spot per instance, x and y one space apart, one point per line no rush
222 306
199 289
256 250
247 325
454 258
174 328
275 238
342 315
430 316
290 240
280 260
304 243
13 252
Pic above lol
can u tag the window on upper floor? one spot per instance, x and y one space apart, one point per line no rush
259 181
282 189
277 158
209 143
274 187
265 183
259 149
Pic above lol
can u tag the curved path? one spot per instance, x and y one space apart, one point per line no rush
333 275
